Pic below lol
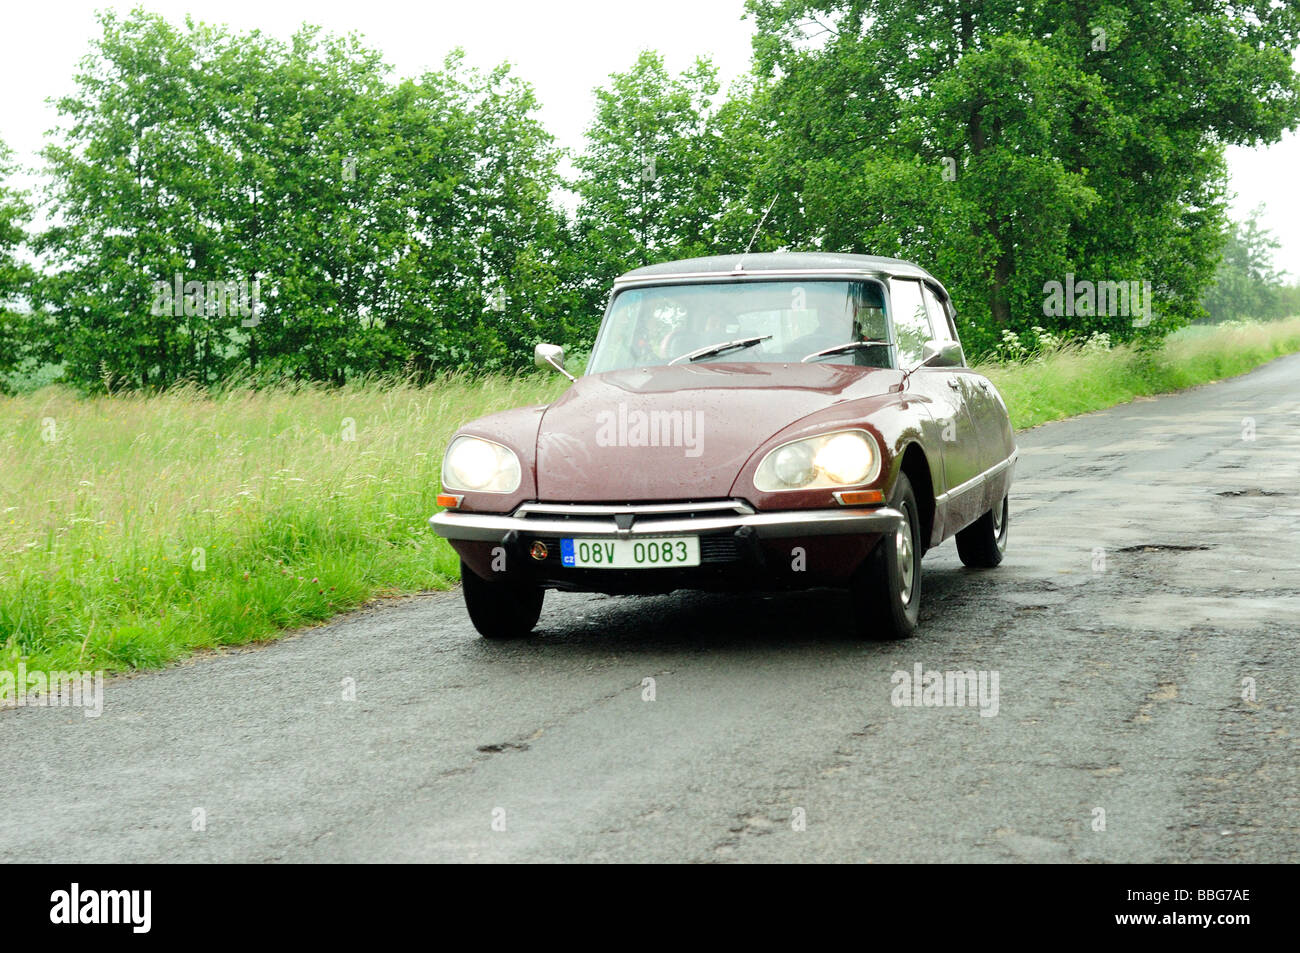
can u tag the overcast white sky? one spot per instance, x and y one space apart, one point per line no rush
563 47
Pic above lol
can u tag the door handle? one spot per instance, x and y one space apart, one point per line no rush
953 383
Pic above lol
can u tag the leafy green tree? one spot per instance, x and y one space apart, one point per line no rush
301 193
1008 143
384 228
1247 283
513 279
667 171
1181 81
136 203
15 272
471 275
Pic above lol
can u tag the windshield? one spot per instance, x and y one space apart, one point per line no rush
791 320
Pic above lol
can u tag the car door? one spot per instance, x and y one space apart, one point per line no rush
984 403
945 388
997 441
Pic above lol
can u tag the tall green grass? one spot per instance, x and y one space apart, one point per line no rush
136 529
1074 380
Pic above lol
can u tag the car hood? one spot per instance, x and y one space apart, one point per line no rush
682 431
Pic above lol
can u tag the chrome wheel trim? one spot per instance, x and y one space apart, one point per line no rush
1000 523
906 561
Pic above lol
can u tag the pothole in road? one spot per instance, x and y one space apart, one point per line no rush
1164 692
503 746
1251 491
1163 548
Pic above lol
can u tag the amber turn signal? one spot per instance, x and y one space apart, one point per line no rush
449 500
859 497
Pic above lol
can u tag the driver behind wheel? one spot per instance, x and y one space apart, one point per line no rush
865 309
696 331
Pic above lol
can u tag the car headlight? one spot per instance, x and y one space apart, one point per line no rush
846 458
472 463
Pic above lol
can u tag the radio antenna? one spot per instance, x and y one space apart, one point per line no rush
754 237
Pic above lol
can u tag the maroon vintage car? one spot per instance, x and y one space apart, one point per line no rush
783 420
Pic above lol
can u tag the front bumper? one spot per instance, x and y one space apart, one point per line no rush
638 522
740 547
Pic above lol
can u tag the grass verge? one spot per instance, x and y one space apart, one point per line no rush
134 530
1074 381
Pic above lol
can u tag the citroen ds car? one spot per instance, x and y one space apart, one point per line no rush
767 421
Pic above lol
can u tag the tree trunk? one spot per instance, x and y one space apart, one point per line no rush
999 303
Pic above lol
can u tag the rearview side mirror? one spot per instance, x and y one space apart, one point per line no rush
942 354
551 357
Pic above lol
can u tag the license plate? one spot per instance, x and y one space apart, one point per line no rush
650 553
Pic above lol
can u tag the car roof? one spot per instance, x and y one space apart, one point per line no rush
772 264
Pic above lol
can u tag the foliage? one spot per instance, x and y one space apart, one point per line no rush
387 227
15 274
1247 283
141 527
371 225
1081 379
1075 139
666 171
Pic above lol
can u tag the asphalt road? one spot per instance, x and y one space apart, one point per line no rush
1154 565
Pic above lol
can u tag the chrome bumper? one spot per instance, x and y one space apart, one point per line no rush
632 523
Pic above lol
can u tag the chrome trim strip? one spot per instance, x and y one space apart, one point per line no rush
775 273
980 479
489 527
526 510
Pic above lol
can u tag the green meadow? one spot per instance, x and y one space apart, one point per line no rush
137 529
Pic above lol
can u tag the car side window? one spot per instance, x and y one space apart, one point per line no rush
938 315
911 321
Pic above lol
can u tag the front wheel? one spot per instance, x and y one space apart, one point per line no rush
886 589
500 610
983 543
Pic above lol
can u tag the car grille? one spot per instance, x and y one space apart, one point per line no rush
642 513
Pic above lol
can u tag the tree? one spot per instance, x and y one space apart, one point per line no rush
15 273
1009 143
380 228
136 192
302 189
666 172
1247 283
470 275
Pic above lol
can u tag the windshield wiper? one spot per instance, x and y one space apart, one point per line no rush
840 348
713 349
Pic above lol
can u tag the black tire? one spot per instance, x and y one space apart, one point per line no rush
983 543
886 601
500 610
